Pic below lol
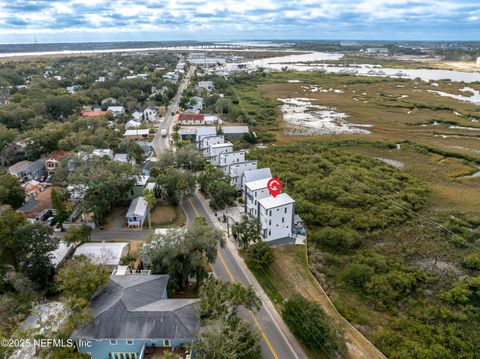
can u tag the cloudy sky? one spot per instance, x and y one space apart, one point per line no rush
119 20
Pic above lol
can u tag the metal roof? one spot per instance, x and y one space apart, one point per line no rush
254 175
138 207
258 184
272 202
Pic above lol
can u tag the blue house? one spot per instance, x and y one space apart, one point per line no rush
132 316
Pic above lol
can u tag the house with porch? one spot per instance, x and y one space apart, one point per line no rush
54 162
26 170
228 158
138 188
132 315
254 175
215 150
137 212
254 191
237 170
276 217
205 143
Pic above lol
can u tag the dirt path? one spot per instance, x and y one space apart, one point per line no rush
296 277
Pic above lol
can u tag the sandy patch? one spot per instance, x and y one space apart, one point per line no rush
307 119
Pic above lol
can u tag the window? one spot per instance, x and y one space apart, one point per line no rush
166 343
131 192
285 209
283 220
270 222
270 213
129 342
269 232
113 342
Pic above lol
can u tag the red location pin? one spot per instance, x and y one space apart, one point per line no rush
274 186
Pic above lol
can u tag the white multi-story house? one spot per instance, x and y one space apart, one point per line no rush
150 114
276 216
254 191
236 171
228 158
205 142
215 150
254 175
103 152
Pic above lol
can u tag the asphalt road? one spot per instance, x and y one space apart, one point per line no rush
160 142
274 342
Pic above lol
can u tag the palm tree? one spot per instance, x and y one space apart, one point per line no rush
151 201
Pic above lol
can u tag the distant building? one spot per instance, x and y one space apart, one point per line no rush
478 61
377 50
73 89
184 118
38 208
206 85
116 110
123 157
150 114
109 101
94 113
276 216
170 76
131 124
138 133
234 132
32 188
103 152
54 162
26 170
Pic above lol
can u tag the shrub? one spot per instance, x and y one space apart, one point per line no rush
260 256
337 239
358 274
310 324
472 261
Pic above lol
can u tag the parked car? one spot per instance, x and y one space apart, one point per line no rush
50 221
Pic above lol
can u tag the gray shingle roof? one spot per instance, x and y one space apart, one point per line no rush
132 307
255 175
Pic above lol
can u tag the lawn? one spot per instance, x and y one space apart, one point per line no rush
165 215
